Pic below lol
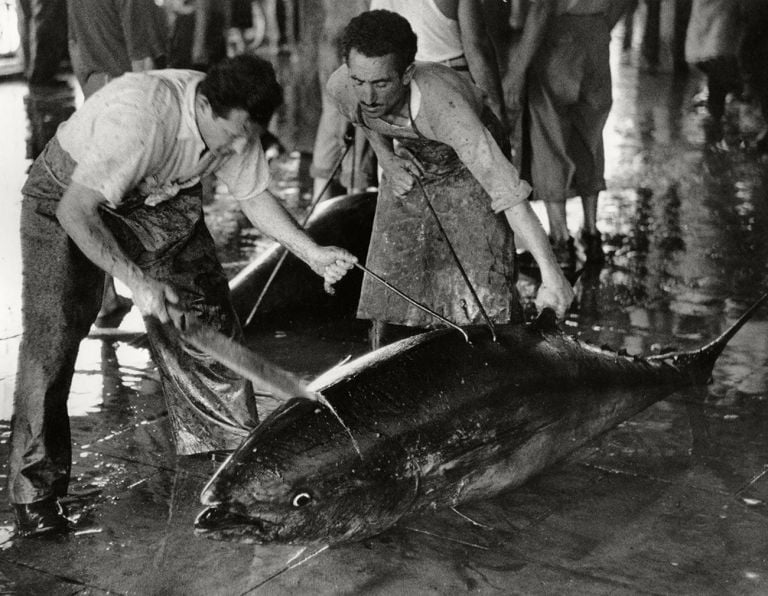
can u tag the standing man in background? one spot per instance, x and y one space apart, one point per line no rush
561 68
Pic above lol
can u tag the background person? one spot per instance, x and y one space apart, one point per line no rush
561 70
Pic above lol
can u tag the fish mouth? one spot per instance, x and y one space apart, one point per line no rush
221 524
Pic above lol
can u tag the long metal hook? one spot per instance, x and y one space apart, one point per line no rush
348 140
456 258
426 309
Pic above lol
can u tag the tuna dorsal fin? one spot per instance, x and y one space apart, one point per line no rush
546 321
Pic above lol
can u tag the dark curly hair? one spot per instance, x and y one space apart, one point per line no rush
378 33
244 82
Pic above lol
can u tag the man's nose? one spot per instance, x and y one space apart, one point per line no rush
369 95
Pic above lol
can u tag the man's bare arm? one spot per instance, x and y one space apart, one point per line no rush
267 213
451 119
555 291
78 213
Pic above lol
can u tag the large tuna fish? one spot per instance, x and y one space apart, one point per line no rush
437 421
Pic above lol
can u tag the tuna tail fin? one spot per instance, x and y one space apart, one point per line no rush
702 361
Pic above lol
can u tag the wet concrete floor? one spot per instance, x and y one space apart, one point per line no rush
674 501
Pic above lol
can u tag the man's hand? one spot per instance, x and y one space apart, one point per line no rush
401 170
153 298
331 262
555 292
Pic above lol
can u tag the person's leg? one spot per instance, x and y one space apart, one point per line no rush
585 144
716 94
590 238
753 56
181 38
629 25
24 23
331 126
273 25
589 206
554 85
61 289
558 223
682 18
586 149
651 35
47 40
551 169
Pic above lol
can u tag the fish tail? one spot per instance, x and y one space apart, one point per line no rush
717 345
700 362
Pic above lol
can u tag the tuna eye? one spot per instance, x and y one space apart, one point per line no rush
301 499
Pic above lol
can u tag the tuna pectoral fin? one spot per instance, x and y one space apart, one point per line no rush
245 362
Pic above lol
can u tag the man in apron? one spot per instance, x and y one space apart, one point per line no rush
436 141
117 190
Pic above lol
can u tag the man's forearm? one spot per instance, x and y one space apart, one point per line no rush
267 214
526 225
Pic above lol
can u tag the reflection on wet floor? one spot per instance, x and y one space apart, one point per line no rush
672 501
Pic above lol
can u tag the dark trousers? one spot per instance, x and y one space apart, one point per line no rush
753 49
43 32
209 407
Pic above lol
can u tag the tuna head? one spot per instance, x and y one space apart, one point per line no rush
298 479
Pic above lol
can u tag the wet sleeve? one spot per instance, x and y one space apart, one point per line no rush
246 174
453 120
121 151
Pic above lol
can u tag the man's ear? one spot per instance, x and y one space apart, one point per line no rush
204 104
408 74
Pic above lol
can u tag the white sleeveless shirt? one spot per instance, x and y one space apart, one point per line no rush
438 36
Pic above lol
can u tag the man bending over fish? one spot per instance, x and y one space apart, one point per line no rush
118 190
438 143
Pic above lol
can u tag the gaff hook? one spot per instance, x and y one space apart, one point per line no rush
348 140
412 301
456 258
